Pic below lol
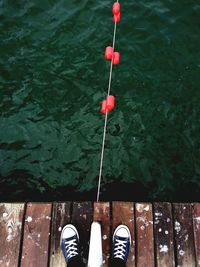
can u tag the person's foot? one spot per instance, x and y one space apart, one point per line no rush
121 243
69 242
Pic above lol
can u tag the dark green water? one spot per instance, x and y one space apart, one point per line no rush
53 77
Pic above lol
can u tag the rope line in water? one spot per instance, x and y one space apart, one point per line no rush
106 116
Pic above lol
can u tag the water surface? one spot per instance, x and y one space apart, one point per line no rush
53 77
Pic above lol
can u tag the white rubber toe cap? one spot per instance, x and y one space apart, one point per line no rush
69 231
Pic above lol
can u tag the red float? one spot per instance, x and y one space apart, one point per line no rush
104 107
109 52
110 101
116 8
116 58
116 18
108 104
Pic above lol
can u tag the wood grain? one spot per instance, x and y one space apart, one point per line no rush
163 232
144 235
184 236
11 216
175 229
36 235
196 229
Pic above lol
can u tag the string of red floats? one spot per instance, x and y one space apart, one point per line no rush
109 103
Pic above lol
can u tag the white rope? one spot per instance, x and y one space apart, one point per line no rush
106 118
102 155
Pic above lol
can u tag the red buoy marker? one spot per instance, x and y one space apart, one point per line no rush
108 104
110 101
116 18
109 52
116 58
116 8
104 107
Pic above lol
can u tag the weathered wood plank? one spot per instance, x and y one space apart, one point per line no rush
11 216
185 253
163 233
196 229
36 235
82 216
144 235
60 217
102 215
123 213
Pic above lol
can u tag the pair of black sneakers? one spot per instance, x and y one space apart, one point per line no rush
121 242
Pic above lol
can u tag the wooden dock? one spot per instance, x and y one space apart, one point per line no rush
163 234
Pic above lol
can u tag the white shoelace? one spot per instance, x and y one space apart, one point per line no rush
71 248
120 249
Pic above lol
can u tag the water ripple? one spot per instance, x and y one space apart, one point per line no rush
53 77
